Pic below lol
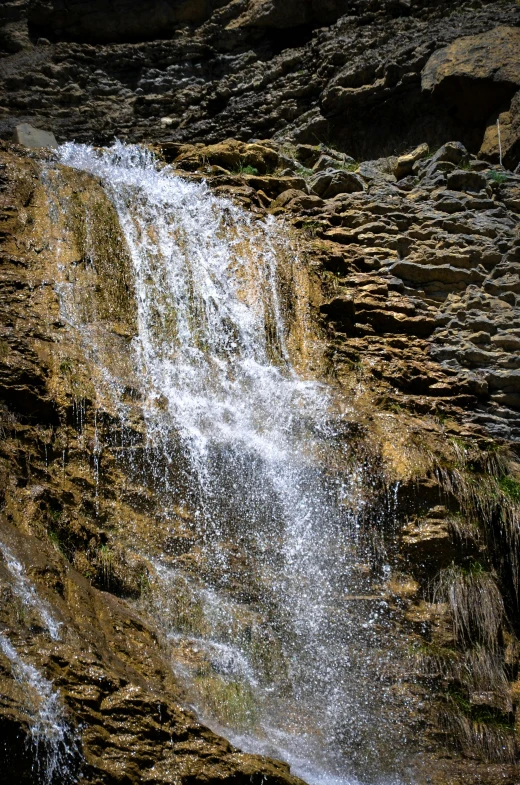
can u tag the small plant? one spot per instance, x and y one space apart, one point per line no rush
311 228
66 365
247 170
498 177
54 537
304 171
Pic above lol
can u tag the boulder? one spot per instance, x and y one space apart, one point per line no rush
28 136
476 74
450 153
466 180
405 163
333 182
509 145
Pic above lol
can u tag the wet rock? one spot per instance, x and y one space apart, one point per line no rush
28 136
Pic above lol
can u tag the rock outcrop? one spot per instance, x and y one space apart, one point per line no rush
90 71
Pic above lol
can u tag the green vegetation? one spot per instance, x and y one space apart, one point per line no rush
232 702
252 170
497 177
510 487
4 349
479 714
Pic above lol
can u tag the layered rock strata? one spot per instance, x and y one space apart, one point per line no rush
379 78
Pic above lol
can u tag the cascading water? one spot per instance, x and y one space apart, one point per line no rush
273 626
54 750
26 592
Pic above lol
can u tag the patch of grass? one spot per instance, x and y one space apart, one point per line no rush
311 228
252 170
498 177
304 171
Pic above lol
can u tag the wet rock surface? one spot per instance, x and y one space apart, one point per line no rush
71 513
339 117
75 633
421 272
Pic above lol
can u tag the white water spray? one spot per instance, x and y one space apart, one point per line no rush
53 750
274 613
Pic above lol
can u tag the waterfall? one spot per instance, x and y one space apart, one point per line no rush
261 587
53 748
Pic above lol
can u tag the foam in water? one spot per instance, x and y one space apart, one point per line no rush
276 615
53 749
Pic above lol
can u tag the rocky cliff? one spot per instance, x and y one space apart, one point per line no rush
373 78
343 116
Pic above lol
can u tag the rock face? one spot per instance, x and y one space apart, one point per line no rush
423 415
336 118
429 262
352 74
116 21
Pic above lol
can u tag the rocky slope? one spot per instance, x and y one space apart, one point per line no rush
373 81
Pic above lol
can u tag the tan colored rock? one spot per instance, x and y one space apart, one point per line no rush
509 136
28 136
405 163
492 56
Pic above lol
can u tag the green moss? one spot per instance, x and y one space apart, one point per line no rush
485 715
232 702
4 350
510 487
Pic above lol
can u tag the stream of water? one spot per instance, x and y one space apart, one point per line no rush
53 748
275 628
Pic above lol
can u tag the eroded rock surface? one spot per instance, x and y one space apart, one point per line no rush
357 74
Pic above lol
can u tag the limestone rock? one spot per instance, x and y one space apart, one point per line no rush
476 73
28 136
331 183
509 122
405 163
461 180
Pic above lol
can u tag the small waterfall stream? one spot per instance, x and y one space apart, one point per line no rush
263 591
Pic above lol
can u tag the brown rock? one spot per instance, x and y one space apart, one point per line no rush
405 163
475 74
509 146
